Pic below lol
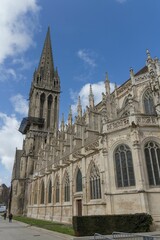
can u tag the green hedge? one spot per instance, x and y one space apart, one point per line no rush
106 224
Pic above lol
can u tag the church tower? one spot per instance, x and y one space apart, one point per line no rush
41 123
44 93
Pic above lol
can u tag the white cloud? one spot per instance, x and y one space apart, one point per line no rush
17 22
87 57
97 89
10 138
20 104
121 1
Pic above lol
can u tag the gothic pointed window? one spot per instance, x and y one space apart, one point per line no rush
49 191
95 183
148 103
50 100
42 193
57 190
79 181
35 193
55 112
66 188
152 157
42 100
124 166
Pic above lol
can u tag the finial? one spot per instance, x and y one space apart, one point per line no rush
107 79
70 116
62 122
91 92
91 97
131 71
148 54
79 107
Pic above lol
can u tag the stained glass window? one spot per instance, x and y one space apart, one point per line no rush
148 103
57 190
67 189
124 166
42 192
50 192
79 181
152 157
95 183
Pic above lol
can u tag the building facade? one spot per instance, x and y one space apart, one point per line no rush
4 194
105 162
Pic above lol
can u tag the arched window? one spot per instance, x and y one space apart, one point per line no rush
42 100
50 100
79 181
42 193
49 191
124 166
66 188
35 193
95 183
152 157
148 103
55 112
57 190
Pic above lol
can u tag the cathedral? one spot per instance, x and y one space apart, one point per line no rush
106 162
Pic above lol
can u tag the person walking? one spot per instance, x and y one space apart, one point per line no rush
10 217
4 215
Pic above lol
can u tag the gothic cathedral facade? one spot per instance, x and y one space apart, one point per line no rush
105 162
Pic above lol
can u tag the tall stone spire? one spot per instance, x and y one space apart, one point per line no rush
107 85
70 116
91 97
46 66
79 107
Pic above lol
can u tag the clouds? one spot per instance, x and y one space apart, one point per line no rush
97 89
10 138
87 57
20 104
121 1
17 22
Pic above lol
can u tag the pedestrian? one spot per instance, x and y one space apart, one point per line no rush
5 215
10 217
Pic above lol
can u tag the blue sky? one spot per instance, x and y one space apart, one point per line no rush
89 38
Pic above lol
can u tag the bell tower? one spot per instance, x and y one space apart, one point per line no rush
44 95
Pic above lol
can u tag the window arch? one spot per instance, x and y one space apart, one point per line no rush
152 157
42 193
66 188
49 191
55 111
79 181
95 183
42 100
50 100
57 185
148 102
124 166
35 193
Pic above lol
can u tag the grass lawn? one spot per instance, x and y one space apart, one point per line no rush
53 226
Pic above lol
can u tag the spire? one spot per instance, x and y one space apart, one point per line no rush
62 123
46 66
107 85
79 107
70 116
132 76
148 54
91 97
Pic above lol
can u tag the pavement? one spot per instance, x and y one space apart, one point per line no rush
21 231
